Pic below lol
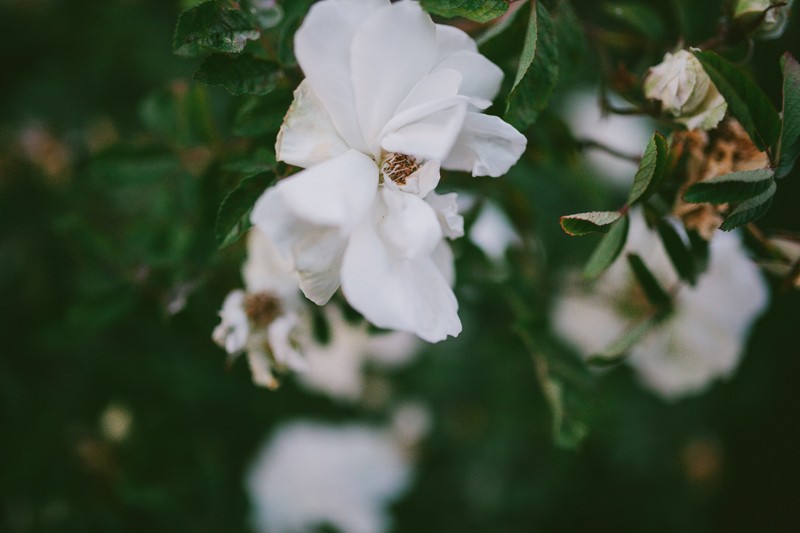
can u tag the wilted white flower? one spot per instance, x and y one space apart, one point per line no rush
685 91
337 368
311 474
702 340
773 19
264 320
389 98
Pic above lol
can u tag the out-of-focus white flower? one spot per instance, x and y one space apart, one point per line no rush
625 134
493 233
336 368
311 474
775 19
264 320
115 422
389 98
703 338
685 91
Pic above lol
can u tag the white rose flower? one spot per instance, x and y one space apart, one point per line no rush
264 321
389 98
774 21
311 474
703 338
685 91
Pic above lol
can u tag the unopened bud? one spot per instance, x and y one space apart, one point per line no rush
767 19
685 91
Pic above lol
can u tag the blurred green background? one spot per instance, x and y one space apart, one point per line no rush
111 280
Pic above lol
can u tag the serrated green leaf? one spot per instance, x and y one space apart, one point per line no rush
746 101
679 253
537 73
619 349
651 169
750 210
584 223
243 74
233 217
789 149
609 249
477 10
213 26
733 187
652 288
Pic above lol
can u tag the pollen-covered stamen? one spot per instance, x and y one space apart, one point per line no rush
397 167
262 308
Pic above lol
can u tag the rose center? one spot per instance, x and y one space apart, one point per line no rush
262 308
398 167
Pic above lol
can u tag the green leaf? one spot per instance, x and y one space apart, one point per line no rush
652 169
213 26
243 74
261 116
261 161
655 293
594 222
477 10
179 114
233 217
620 348
746 101
608 250
679 253
750 210
537 72
498 28
789 149
733 187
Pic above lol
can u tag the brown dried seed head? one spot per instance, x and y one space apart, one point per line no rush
262 308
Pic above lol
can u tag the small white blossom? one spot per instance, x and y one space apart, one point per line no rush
685 91
702 340
311 474
389 98
493 233
773 19
265 320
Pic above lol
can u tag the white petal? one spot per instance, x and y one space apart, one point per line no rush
407 224
493 233
451 40
391 52
430 138
266 270
434 87
391 292
487 146
446 207
336 193
261 370
315 251
443 259
308 136
234 328
322 46
481 77
279 334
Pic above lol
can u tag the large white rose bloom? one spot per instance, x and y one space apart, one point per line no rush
701 341
389 98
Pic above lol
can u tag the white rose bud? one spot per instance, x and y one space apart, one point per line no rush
773 19
685 91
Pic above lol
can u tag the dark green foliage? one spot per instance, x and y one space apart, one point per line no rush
790 130
213 26
242 74
608 250
733 187
233 219
584 223
478 10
